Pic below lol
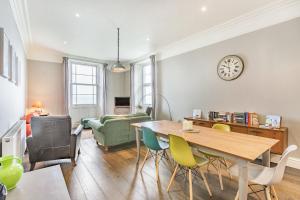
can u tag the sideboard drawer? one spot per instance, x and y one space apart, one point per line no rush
277 148
203 123
238 129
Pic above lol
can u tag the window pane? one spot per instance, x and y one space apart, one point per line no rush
85 69
148 100
147 90
85 89
85 99
147 70
74 99
84 79
74 89
147 79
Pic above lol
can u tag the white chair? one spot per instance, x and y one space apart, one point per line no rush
266 176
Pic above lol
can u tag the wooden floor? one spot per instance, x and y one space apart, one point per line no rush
113 175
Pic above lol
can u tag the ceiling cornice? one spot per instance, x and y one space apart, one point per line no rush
20 12
274 13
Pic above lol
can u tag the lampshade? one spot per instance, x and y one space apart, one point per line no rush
118 67
37 104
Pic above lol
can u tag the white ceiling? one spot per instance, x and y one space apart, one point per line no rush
94 34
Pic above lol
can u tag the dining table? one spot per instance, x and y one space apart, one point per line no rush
238 147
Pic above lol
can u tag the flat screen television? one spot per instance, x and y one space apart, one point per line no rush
122 101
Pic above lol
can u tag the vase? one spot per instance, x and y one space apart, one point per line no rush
11 171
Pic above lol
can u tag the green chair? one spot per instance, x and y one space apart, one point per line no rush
153 144
215 160
183 156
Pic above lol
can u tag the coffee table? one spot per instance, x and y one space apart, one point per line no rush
42 184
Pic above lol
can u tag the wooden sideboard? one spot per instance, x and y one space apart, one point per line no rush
279 134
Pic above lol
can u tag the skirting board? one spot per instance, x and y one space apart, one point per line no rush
292 162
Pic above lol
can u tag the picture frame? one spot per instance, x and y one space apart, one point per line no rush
5 65
14 67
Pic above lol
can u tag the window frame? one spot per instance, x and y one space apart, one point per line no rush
146 85
97 84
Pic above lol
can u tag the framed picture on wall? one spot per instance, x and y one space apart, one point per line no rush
14 67
5 64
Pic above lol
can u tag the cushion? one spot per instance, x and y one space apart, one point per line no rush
28 130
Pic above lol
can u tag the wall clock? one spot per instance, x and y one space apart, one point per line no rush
230 67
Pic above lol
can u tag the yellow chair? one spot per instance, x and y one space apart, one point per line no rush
215 160
183 156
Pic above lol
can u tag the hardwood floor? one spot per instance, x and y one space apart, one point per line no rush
113 175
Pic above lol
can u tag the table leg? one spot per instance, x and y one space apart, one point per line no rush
243 180
266 157
138 144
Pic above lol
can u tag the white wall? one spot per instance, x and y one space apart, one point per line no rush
12 97
46 84
118 85
269 84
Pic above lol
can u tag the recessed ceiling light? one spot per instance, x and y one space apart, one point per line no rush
148 39
203 8
65 42
77 15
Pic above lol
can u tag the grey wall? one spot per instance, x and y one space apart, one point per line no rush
12 97
269 84
46 84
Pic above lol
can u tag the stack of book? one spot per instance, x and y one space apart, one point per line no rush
239 118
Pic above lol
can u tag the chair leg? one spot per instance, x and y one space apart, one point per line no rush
73 162
157 166
190 184
236 196
220 175
32 165
172 178
205 182
79 152
227 168
274 192
268 193
146 156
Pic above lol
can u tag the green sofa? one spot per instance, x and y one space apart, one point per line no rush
112 130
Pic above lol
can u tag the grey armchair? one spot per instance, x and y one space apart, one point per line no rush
52 139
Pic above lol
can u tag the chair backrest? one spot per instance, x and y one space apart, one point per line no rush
280 168
181 151
148 110
51 131
150 139
222 127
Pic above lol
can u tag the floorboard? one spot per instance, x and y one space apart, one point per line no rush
113 175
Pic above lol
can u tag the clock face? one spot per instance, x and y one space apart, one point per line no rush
230 67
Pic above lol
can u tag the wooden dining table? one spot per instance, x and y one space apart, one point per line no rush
238 147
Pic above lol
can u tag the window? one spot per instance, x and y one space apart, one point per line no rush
147 85
84 84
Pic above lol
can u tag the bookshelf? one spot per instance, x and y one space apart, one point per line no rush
280 134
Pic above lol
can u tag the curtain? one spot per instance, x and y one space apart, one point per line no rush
153 71
132 93
102 94
66 85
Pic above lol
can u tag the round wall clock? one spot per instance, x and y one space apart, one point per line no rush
230 67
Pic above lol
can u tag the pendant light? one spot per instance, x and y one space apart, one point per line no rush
118 67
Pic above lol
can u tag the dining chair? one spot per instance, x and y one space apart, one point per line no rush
186 161
215 160
266 177
155 149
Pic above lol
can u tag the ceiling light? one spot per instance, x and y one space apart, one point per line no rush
77 15
148 39
203 8
65 42
118 67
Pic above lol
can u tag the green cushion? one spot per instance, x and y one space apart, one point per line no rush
84 121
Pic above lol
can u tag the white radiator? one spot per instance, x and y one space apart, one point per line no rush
14 140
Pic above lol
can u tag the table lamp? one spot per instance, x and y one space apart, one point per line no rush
38 106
